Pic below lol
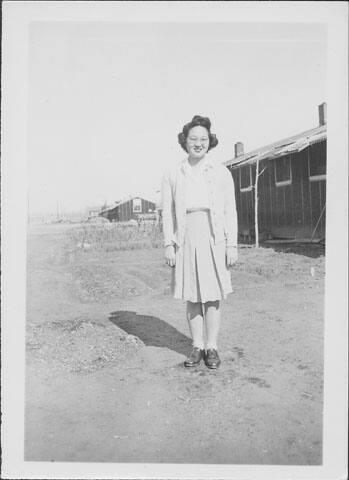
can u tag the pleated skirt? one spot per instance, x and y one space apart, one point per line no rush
201 273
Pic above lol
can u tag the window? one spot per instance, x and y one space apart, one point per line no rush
317 162
245 178
283 174
137 205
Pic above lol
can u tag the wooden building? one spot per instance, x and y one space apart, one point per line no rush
133 208
291 186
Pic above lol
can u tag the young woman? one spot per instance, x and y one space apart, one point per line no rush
200 233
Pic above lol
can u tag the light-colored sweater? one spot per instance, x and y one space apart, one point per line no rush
221 195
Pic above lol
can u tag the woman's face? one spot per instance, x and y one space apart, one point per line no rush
198 142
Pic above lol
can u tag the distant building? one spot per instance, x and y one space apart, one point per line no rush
94 212
291 187
134 208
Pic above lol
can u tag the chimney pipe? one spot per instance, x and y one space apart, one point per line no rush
323 113
239 149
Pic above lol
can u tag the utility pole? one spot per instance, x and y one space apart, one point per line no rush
256 226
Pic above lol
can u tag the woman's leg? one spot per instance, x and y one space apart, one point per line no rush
196 324
212 321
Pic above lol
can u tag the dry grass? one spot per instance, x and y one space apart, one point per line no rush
111 237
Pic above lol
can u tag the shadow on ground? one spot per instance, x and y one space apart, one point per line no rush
152 331
312 250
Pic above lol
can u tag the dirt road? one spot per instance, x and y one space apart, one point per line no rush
105 346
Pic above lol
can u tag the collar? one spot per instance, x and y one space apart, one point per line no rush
207 164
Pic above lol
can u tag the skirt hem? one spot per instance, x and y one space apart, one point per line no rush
223 297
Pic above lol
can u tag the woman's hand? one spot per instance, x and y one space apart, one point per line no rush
170 255
231 255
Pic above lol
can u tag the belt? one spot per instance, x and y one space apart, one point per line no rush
192 210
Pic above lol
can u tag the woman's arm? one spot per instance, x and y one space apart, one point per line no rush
230 214
167 210
230 218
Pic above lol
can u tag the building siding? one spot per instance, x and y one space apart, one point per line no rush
124 212
290 210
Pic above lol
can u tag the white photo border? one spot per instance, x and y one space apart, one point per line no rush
17 17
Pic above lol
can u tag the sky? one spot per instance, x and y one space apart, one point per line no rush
107 100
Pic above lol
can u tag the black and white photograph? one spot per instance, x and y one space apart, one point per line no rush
175 207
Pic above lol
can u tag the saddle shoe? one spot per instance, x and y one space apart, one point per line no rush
195 357
212 359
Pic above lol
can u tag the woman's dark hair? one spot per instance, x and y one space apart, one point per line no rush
197 121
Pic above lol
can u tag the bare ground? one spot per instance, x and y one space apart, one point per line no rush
106 343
